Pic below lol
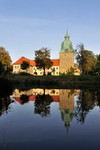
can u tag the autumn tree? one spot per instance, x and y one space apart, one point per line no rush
85 102
42 59
25 65
70 71
1 68
85 59
42 104
97 66
5 58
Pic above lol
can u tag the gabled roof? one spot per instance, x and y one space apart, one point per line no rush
32 62
19 61
33 98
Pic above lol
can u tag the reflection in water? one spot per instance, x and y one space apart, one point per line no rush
42 105
5 99
44 97
66 105
24 98
67 116
5 105
53 108
86 101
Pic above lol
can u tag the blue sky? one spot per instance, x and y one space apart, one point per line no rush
28 25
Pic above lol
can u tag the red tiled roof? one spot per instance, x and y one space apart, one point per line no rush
19 61
32 62
32 98
55 62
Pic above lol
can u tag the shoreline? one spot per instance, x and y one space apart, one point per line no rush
64 82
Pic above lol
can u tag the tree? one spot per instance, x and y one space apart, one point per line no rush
53 70
85 59
24 98
42 104
85 103
5 59
97 66
1 68
42 59
70 71
25 65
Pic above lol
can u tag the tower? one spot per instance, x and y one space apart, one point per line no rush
66 106
66 55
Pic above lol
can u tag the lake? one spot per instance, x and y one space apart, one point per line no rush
45 119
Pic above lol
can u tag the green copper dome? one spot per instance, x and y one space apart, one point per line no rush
67 116
66 46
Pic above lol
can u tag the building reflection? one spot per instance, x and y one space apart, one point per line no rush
70 106
66 105
32 94
86 100
44 97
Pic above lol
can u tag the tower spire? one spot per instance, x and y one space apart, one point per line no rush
67 35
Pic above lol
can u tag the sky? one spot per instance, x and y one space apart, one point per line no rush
29 25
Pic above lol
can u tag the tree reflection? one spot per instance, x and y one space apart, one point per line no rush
97 97
5 100
24 98
42 104
5 105
86 102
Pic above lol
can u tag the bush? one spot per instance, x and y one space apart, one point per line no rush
61 74
49 74
24 74
70 71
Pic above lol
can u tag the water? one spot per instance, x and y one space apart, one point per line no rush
50 119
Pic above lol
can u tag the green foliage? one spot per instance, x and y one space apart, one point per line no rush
1 68
42 59
70 71
97 66
42 104
49 74
61 74
5 60
4 57
25 65
23 74
85 59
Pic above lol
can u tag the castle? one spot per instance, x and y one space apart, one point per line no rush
65 99
61 65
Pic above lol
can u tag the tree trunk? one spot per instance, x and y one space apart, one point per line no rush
44 71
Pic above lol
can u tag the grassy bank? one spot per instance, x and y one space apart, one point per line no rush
51 81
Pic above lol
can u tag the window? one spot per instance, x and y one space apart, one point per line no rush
56 67
16 67
56 72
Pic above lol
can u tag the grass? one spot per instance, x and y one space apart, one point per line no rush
66 81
